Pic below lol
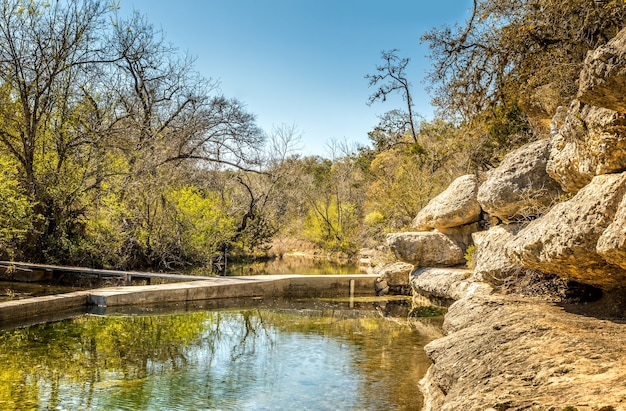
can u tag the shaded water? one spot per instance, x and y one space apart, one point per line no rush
306 355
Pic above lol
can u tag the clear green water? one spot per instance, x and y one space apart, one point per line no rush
292 355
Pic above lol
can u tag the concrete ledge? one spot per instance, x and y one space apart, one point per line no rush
215 288
33 308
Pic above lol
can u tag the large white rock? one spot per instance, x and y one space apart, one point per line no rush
455 206
592 141
520 186
426 249
563 241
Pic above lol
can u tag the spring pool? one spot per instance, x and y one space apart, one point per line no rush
360 354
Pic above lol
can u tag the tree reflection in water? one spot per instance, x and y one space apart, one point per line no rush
299 356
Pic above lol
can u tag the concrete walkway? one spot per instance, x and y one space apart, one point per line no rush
46 308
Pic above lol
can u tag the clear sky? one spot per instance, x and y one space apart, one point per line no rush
303 62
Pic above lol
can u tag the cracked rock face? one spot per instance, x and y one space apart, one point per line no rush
520 185
563 241
592 141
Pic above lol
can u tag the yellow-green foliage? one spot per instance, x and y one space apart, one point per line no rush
105 230
469 256
202 219
332 227
15 207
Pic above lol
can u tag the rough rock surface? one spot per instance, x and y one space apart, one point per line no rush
425 248
455 206
461 235
612 243
520 186
506 353
489 258
602 80
438 285
563 241
592 141
396 277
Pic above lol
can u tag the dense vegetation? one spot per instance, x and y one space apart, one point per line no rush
115 152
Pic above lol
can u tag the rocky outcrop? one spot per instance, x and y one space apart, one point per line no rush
425 248
592 141
489 259
503 353
602 81
520 186
456 206
563 241
507 345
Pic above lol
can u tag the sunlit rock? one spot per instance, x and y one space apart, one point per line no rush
442 285
455 206
425 249
395 278
520 186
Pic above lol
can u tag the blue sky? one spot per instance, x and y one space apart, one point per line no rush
303 62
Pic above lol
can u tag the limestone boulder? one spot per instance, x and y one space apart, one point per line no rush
425 249
612 243
489 259
396 278
440 286
602 80
591 141
520 186
563 241
455 206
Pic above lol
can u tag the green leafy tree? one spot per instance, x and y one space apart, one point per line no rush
15 209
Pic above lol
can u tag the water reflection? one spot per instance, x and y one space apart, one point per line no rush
295 355
294 264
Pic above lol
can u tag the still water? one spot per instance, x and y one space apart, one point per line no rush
278 355
294 264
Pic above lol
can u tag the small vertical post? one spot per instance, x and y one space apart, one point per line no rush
352 284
